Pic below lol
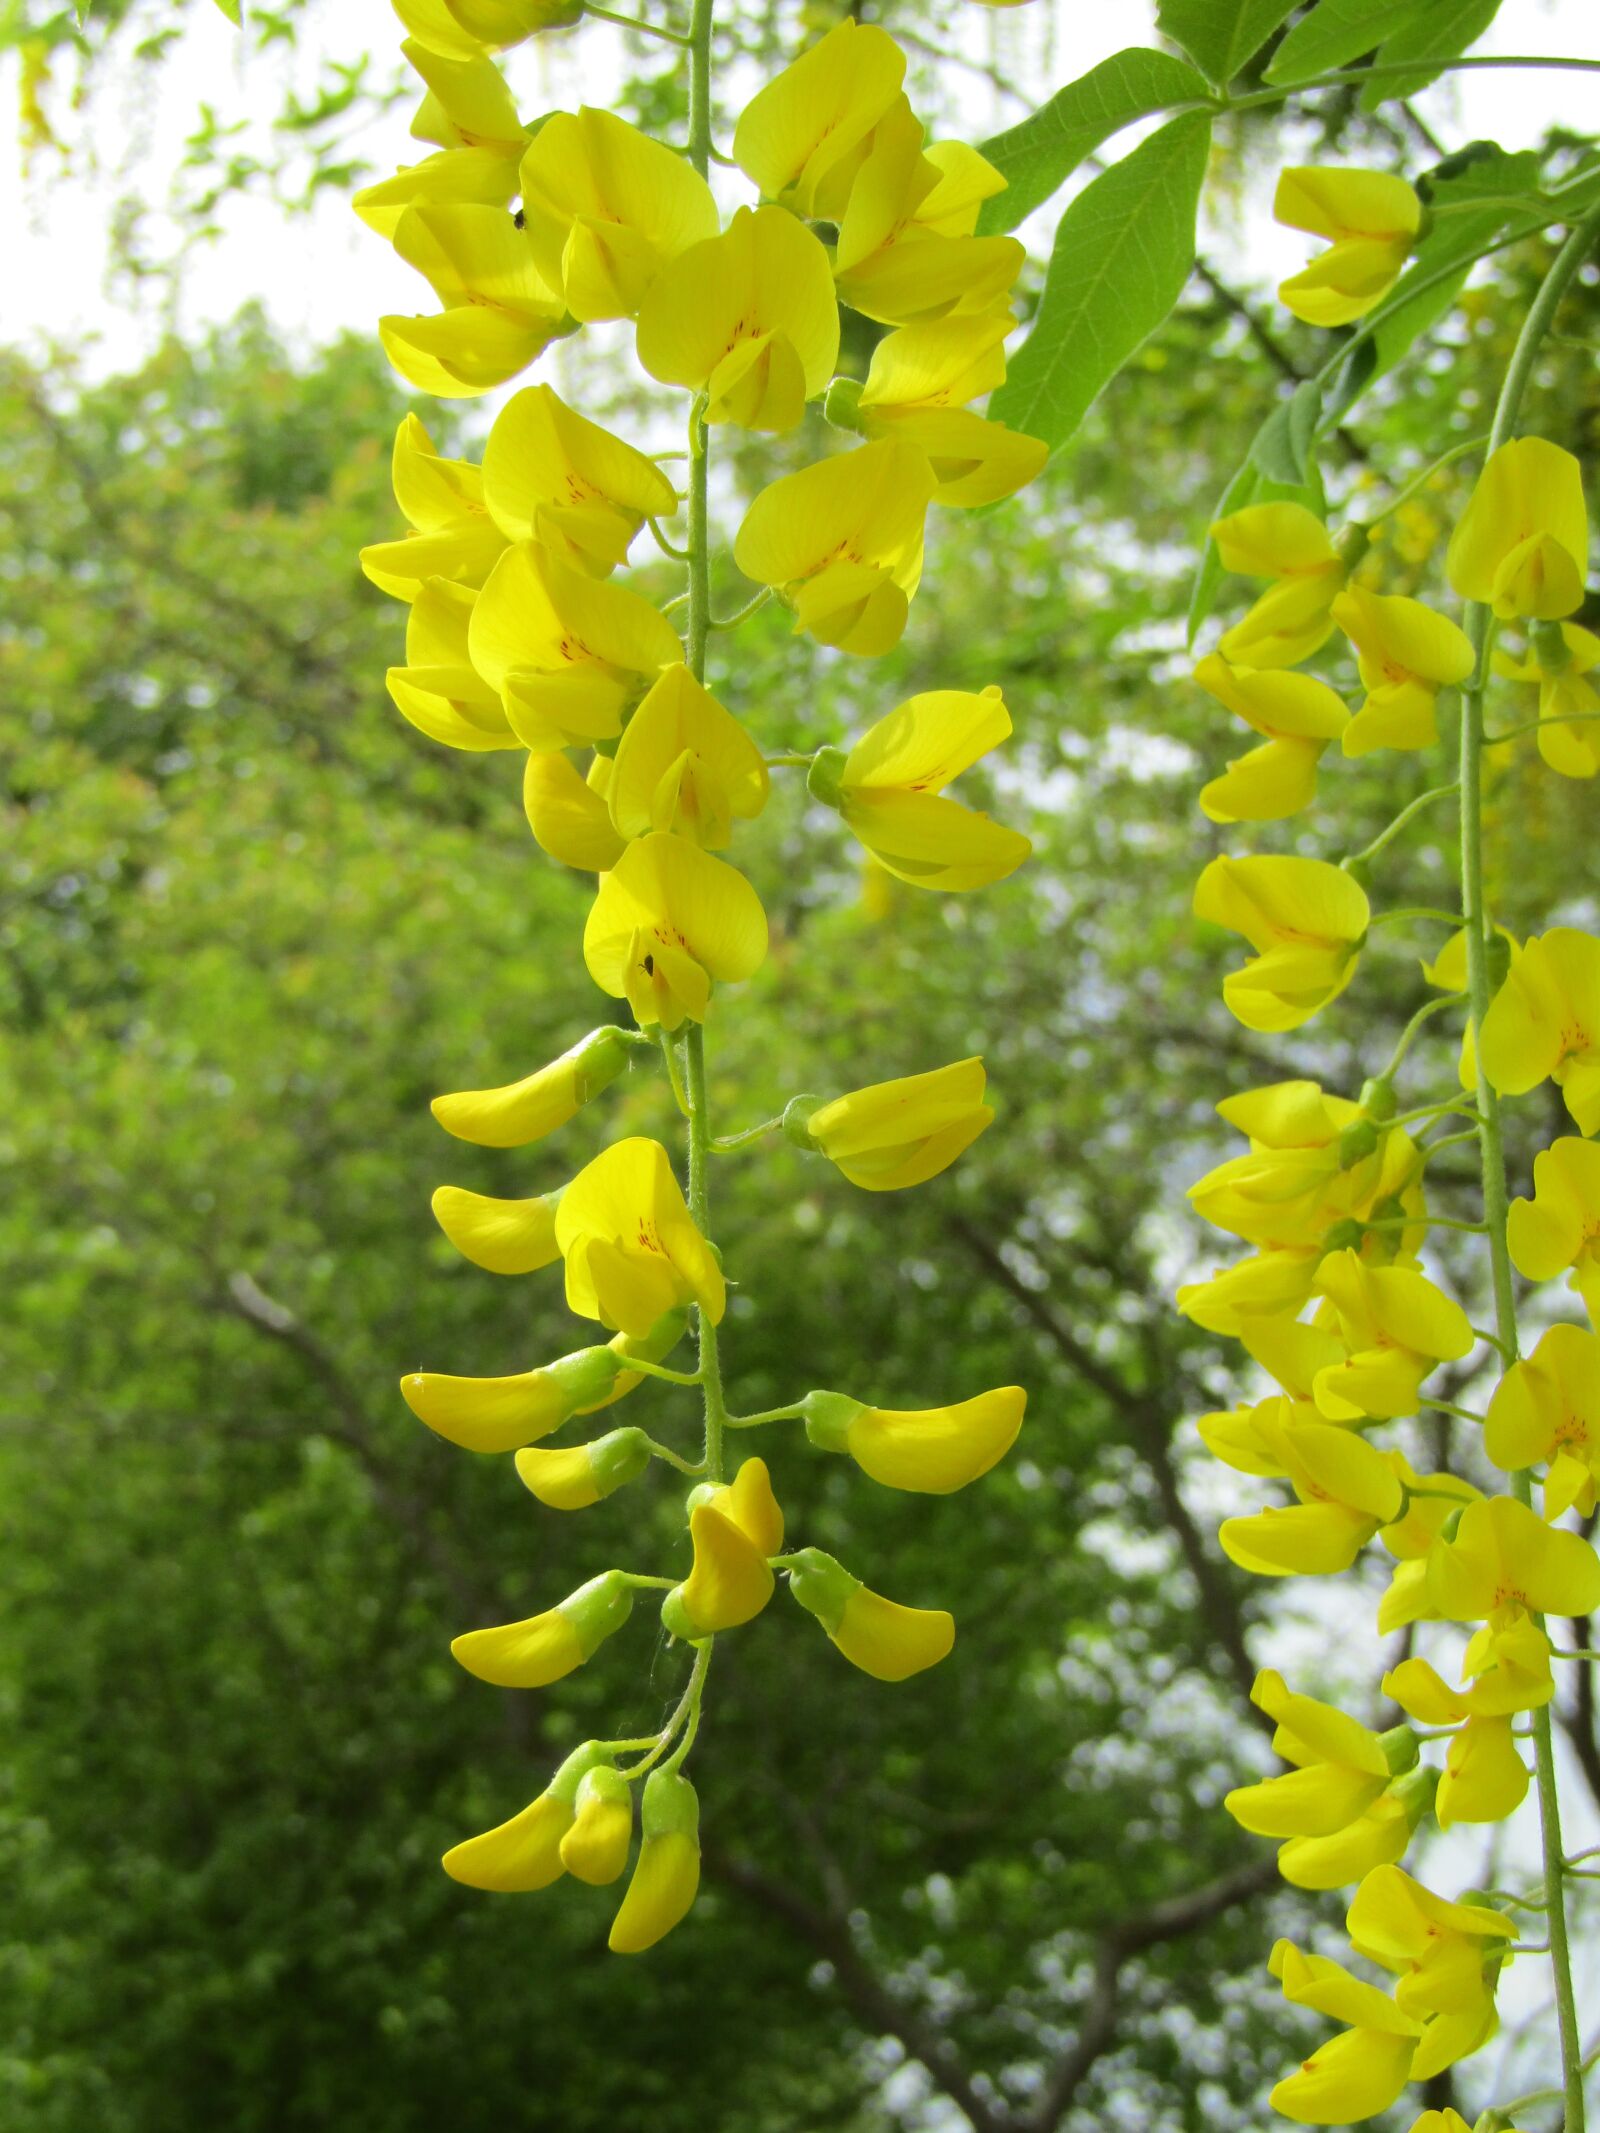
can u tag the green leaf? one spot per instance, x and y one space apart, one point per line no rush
1339 30
1431 38
1123 252
1220 35
1286 441
234 11
1482 171
1036 155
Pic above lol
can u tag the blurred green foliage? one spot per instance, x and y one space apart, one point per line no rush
249 923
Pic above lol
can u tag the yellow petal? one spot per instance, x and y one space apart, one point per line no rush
519 1855
1522 544
502 1236
549 474
800 138
663 1888
487 1414
891 1642
731 1581
664 896
936 1450
685 764
569 819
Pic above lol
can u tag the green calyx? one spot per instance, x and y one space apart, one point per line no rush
825 778
1415 1789
822 1585
1400 1749
1352 544
1358 1140
585 1377
593 1755
797 1116
617 1458
1378 1099
598 1609
677 1621
601 1057
828 1416
670 1807
1550 648
841 405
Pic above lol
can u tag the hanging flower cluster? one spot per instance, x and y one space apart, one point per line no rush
525 633
1336 1297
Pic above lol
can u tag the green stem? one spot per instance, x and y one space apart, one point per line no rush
1495 1195
1517 733
1425 1013
634 22
678 1094
684 1466
690 1706
791 1414
661 1371
725 1143
1385 836
1404 913
700 1209
1358 77
1421 481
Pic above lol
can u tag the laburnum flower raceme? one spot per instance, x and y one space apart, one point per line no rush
528 634
1344 1297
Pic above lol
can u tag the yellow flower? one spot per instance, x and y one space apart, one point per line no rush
889 788
579 1475
461 28
1544 1023
1361 2071
1407 653
1446 1956
931 1451
1289 544
527 1110
568 814
607 208
595 1849
525 1853
502 1236
1560 1226
1314 1160
668 920
733 1530
552 476
905 253
449 532
1484 1778
439 690
749 318
499 311
1347 1490
919 379
885 1640
1569 702
568 652
632 1250
1340 1767
1395 1326
1546 1410
685 764
1522 544
803 137
532 1654
666 1875
1505 1561
898 1133
1297 716
1268 1285
499 1414
1372 220
1249 1438
842 541
1305 919
459 177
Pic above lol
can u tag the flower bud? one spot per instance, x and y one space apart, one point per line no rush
525 1853
527 1110
668 1871
595 1848
532 1654
884 1639
825 778
729 1585
501 1414
582 1474
932 1451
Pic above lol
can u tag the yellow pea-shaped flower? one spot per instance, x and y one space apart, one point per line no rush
1522 545
532 1654
551 475
451 534
499 1414
895 1134
1372 220
631 1248
685 764
499 311
579 1475
932 1451
1306 920
569 815
666 1875
668 921
527 1110
439 690
595 1849
884 1639
749 318
803 137
502 1236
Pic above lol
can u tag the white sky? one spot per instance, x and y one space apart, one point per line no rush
319 273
